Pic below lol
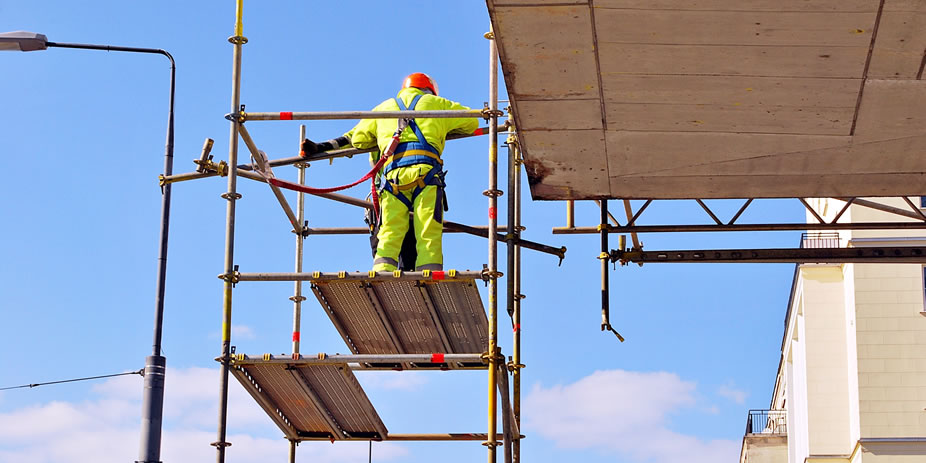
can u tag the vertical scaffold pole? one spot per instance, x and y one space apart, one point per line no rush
300 238
231 196
605 299
493 194
514 278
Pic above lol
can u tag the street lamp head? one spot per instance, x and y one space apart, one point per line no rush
23 41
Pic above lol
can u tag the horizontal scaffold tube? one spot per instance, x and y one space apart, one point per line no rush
325 359
443 437
450 436
744 227
450 275
324 155
334 115
449 227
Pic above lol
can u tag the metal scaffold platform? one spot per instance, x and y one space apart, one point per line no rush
406 316
320 398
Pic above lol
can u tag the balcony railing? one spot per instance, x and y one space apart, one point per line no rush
820 240
767 422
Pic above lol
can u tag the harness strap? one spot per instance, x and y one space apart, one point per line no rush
433 177
413 152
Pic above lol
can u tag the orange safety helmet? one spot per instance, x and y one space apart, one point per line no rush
420 80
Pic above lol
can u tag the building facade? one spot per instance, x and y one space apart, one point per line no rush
851 382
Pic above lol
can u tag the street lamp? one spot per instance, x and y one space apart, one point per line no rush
155 364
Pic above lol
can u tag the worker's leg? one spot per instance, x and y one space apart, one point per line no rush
391 232
409 254
428 230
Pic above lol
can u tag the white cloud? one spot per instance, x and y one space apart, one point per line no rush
624 412
105 428
392 380
243 332
730 391
239 332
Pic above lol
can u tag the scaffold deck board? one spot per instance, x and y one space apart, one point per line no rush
406 316
312 401
669 99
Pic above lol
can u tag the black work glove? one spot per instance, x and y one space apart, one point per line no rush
308 148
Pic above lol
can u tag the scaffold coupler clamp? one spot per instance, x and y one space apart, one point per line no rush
514 366
499 358
204 156
239 116
221 444
489 274
238 39
231 277
488 113
304 232
561 255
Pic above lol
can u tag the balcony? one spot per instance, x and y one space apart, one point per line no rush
767 422
766 439
819 240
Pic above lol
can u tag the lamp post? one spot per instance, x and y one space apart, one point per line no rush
155 364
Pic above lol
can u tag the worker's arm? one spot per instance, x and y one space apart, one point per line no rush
309 147
463 126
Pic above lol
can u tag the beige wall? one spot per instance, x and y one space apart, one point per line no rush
764 448
891 337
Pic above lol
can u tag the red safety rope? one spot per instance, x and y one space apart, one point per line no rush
387 154
379 165
316 191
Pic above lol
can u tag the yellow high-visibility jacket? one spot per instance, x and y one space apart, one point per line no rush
378 132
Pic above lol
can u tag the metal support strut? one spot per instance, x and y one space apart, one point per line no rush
605 283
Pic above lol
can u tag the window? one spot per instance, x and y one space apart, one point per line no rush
923 202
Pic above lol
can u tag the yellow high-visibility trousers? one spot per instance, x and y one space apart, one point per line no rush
428 223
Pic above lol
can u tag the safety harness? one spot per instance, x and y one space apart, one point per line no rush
412 153
401 154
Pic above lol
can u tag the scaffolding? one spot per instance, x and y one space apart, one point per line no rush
429 320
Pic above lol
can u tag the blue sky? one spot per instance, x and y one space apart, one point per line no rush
84 143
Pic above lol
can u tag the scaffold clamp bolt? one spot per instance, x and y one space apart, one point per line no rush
493 193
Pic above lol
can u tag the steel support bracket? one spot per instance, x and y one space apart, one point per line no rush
624 257
608 327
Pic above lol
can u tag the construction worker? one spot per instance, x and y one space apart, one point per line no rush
413 180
